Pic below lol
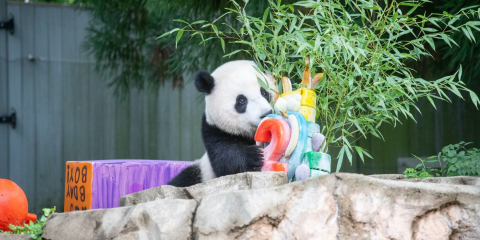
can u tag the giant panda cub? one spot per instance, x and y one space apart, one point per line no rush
234 106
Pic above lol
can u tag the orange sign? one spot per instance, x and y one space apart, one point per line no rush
78 186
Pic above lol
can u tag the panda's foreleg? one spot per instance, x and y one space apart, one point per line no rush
228 159
189 176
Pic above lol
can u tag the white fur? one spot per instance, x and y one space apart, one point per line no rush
231 79
206 168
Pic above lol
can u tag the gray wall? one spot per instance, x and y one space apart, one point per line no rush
66 112
3 91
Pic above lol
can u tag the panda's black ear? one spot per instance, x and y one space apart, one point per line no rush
204 82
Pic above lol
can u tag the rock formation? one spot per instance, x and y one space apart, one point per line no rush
263 206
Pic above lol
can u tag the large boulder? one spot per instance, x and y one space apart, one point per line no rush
384 209
300 210
160 219
342 206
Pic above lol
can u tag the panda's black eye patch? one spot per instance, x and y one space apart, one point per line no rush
241 103
265 94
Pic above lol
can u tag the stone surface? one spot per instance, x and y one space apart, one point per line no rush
460 180
14 237
342 206
160 219
299 210
389 176
241 181
385 209
162 192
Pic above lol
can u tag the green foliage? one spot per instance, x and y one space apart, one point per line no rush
423 172
362 46
468 53
413 173
458 161
34 229
122 39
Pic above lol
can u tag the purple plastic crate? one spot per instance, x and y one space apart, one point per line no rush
114 178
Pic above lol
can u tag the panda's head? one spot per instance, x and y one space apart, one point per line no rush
234 100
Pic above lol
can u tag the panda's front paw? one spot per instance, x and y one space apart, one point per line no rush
255 161
255 165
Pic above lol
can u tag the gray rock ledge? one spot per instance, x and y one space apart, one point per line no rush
336 206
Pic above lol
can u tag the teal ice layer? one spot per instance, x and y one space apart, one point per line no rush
316 173
318 161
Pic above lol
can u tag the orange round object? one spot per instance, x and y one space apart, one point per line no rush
13 205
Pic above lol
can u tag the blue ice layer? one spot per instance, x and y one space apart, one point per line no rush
276 116
296 158
312 128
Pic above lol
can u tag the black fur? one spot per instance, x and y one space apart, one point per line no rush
228 153
204 82
265 94
188 177
241 104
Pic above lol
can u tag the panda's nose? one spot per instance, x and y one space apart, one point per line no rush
264 115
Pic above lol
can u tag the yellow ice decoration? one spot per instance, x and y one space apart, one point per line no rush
308 112
309 98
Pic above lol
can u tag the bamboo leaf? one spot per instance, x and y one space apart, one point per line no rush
474 98
469 30
455 90
182 21
473 23
359 128
445 38
466 33
215 29
460 73
349 155
265 15
263 84
409 4
232 53
431 101
168 33
197 22
430 29
430 41
223 44
360 153
179 35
